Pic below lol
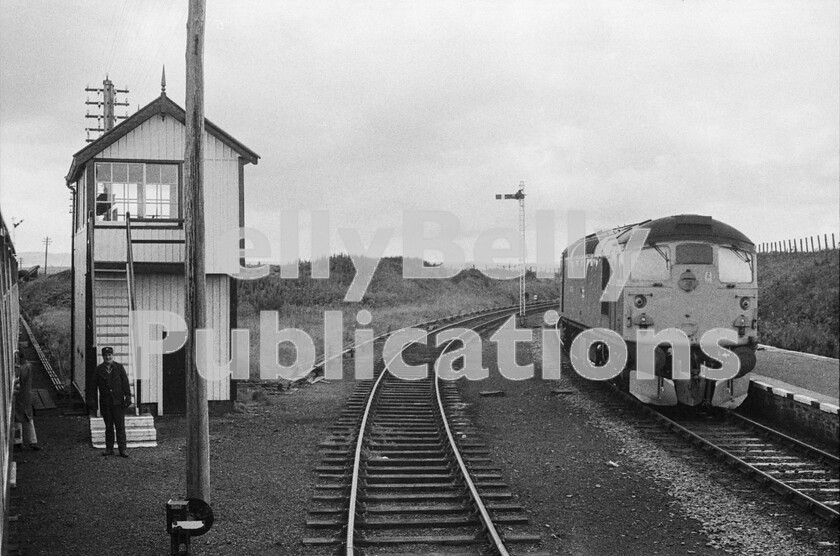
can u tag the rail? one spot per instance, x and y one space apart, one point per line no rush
58 384
475 496
829 514
818 454
323 361
357 462
487 521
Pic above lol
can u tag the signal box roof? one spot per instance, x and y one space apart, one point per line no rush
160 106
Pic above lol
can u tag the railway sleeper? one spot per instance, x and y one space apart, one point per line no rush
419 522
407 470
448 540
406 478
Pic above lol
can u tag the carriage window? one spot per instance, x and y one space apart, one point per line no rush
734 265
144 190
694 253
652 264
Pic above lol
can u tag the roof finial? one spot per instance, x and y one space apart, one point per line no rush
163 81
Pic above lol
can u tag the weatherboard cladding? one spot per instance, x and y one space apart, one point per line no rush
110 244
156 133
165 292
161 109
162 140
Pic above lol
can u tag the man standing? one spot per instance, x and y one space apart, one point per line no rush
23 408
110 381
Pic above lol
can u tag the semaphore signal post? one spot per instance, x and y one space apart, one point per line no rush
519 196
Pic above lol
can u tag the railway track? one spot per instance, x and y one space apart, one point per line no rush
404 471
799 472
808 476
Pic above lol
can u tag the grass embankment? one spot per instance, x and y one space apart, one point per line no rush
47 302
799 295
799 301
392 300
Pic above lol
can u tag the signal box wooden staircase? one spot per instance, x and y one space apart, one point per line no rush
113 299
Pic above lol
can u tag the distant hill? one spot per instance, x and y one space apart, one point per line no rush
798 304
387 287
54 260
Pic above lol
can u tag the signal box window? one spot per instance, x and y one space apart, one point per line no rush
734 265
148 191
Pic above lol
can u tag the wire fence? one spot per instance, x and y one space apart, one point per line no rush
811 244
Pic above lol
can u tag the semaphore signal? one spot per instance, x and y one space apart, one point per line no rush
519 196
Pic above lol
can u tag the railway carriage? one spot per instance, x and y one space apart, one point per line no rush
693 274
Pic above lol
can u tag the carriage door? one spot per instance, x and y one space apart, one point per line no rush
174 382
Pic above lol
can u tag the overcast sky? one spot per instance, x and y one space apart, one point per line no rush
628 110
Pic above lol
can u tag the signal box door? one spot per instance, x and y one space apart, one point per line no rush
174 382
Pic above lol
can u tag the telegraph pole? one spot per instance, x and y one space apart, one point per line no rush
107 119
46 241
198 429
520 196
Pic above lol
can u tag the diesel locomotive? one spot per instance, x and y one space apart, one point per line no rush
691 274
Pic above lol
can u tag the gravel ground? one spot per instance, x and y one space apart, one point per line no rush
71 500
598 487
554 450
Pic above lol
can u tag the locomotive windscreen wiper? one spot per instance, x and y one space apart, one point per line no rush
664 255
743 255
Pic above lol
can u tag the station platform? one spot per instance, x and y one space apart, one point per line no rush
808 377
797 393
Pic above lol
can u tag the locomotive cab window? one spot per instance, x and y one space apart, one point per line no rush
694 253
735 265
653 263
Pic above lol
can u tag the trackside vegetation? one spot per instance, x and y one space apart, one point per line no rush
799 302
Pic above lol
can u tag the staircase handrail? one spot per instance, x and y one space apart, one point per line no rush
129 272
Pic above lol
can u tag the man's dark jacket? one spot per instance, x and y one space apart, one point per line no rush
113 387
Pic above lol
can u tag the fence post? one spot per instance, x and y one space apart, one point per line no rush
826 241
800 244
833 245
812 244
819 247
